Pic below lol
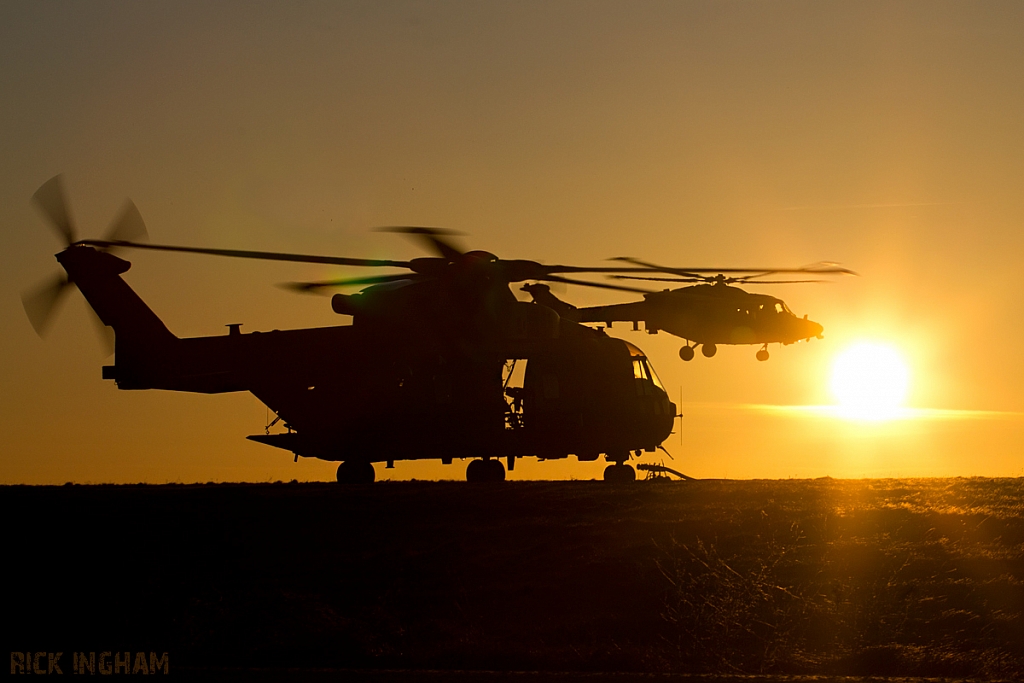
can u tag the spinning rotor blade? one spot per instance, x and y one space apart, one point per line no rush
647 267
518 270
658 279
728 280
128 226
262 255
41 302
788 282
432 238
822 268
599 285
827 267
51 199
375 280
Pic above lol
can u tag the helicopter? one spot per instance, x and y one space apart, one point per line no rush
424 370
708 314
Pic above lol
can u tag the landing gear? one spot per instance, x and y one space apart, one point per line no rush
485 470
356 472
619 473
762 355
686 352
708 350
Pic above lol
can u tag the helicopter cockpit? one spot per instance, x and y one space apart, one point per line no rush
643 373
770 309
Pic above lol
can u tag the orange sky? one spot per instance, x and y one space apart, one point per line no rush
886 136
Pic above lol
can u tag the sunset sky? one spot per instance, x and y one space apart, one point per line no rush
888 137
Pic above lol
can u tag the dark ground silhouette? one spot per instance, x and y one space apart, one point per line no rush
823 577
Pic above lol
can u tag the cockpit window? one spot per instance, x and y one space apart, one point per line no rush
653 375
639 369
642 369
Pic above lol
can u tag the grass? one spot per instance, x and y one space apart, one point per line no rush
897 581
823 577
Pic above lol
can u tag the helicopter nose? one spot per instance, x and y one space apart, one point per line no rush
814 329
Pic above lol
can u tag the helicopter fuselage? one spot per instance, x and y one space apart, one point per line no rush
704 314
376 391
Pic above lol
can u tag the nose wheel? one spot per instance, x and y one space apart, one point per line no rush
619 473
762 355
708 350
356 472
686 352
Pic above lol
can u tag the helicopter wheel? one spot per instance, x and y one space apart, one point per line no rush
619 473
762 355
476 471
708 350
495 470
686 352
356 472
484 471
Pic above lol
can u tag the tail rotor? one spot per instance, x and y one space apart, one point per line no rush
52 200
41 302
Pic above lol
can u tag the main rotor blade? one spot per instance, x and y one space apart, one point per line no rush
688 272
648 267
827 267
41 302
542 270
52 200
599 285
820 268
518 270
129 226
731 280
788 282
431 236
262 255
348 282
659 279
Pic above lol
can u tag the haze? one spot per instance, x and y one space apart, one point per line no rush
884 136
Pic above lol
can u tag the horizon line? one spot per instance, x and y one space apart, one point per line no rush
836 411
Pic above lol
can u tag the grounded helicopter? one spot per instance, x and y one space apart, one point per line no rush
707 314
424 371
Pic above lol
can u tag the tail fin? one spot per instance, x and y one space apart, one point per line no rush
542 295
97 274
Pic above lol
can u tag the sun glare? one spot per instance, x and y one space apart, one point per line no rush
869 382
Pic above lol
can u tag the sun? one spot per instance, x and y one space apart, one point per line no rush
870 381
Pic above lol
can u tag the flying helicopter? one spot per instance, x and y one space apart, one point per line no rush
424 371
710 313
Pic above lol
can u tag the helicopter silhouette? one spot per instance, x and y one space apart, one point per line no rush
708 314
425 370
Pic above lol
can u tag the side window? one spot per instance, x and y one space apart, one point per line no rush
641 377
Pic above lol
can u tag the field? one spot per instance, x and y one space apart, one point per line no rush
820 577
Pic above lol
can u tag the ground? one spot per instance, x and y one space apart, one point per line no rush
800 577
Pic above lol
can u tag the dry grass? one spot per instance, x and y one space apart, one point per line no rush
912 578
823 577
